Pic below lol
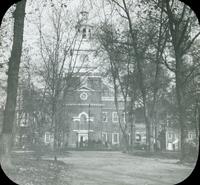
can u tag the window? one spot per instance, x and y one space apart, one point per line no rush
47 137
190 135
90 33
170 135
84 33
104 116
114 117
83 119
104 136
138 137
115 138
124 117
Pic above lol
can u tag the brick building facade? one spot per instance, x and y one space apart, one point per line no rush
92 114
90 108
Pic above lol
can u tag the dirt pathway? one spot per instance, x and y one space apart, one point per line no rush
116 168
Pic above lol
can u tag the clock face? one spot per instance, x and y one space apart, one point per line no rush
84 96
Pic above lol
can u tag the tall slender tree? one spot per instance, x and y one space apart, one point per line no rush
12 83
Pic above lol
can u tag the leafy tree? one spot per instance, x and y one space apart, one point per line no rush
59 53
146 40
181 22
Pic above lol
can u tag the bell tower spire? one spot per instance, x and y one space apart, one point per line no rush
84 16
83 26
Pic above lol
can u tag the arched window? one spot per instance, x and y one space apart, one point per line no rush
83 119
83 122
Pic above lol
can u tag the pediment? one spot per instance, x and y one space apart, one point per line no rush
85 88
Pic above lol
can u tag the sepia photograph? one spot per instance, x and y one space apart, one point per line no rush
99 92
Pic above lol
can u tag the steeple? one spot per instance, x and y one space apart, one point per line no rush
83 27
84 16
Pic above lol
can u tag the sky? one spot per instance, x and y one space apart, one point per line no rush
98 12
72 8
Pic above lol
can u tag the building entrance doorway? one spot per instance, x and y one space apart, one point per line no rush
82 140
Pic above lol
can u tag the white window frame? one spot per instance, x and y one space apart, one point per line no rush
106 134
106 116
124 117
49 137
113 136
113 116
190 135
170 135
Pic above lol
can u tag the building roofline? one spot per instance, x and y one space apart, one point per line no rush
85 104
111 98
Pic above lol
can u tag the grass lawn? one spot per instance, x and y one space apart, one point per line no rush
29 171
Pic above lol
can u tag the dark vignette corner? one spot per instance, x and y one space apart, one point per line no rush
5 179
194 6
5 5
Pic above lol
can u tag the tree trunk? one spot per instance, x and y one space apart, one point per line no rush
55 142
123 130
124 138
149 137
181 108
12 83
132 131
